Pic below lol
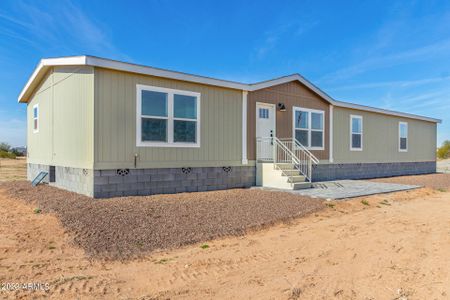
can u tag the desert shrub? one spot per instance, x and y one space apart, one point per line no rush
5 147
444 151
16 152
5 154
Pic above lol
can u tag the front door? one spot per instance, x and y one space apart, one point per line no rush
265 128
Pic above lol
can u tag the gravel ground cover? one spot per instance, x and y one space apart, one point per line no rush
435 181
129 227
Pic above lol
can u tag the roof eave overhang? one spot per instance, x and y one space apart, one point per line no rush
47 63
42 68
385 111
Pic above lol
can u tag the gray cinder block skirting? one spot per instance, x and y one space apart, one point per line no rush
326 172
110 183
72 179
132 182
34 169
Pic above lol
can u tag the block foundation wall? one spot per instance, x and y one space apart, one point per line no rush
326 172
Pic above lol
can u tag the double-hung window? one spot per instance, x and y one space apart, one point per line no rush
403 136
356 133
309 127
167 117
36 118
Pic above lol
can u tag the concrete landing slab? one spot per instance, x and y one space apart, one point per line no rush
342 189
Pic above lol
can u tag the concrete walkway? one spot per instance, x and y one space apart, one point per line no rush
342 189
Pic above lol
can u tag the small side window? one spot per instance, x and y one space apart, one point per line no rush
36 118
356 133
403 136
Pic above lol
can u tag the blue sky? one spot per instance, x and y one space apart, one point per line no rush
392 54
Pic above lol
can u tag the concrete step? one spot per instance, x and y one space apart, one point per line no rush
286 166
301 185
295 179
294 172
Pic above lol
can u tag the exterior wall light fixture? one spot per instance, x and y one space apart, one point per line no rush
281 106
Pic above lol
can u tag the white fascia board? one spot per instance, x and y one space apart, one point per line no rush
385 111
50 62
307 83
133 68
293 77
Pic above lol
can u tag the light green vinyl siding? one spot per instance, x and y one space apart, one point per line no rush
381 138
66 111
115 125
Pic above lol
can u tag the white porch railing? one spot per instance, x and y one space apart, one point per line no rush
272 149
299 150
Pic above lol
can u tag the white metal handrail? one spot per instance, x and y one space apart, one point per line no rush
286 150
277 151
272 149
297 148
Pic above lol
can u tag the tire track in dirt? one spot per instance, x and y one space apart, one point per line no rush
349 252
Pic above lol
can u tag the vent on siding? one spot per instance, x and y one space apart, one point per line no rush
123 172
227 169
186 170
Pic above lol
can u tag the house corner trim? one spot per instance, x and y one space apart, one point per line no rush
244 128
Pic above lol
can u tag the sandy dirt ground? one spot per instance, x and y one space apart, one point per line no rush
392 246
435 181
443 166
130 227
13 169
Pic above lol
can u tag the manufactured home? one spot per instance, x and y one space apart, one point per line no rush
106 128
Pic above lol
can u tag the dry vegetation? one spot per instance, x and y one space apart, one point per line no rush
13 169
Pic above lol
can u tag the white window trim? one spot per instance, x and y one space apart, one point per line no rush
399 137
309 110
170 118
36 130
351 132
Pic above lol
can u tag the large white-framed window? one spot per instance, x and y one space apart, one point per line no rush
36 118
309 127
356 133
167 117
403 136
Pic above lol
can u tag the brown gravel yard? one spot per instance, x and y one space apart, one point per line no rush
123 228
436 181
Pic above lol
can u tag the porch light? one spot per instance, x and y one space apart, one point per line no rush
281 106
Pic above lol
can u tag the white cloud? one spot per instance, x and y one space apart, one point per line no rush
396 83
424 53
273 37
60 25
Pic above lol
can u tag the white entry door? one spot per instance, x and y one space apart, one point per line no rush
265 128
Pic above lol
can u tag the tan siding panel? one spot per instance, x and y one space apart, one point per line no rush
66 110
380 138
291 94
115 146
